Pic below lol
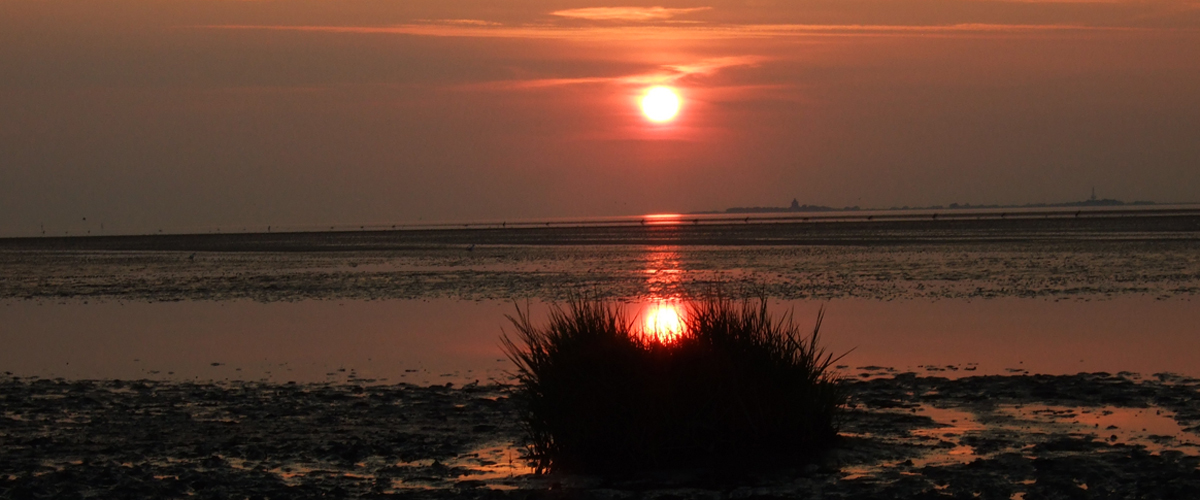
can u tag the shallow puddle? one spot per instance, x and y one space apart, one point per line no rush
953 425
1153 428
495 466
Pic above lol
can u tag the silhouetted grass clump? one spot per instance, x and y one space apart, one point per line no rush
737 389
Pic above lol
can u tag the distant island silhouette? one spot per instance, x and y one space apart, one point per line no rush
797 207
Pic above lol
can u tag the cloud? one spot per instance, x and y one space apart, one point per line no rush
625 13
1072 1
664 75
680 33
712 65
468 22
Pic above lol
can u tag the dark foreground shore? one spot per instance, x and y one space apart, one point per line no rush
997 437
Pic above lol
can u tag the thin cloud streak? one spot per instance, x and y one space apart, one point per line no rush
669 74
467 22
705 32
712 65
1051 2
625 13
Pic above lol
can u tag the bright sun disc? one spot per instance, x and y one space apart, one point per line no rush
660 104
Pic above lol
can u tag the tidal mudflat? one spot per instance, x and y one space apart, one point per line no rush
904 436
920 270
1049 359
1055 258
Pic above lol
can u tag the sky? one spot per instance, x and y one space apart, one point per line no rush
138 116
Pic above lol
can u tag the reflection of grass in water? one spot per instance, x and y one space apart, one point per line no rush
737 389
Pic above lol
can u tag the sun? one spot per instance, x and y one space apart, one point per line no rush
660 104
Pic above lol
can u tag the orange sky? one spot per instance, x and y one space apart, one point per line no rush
185 115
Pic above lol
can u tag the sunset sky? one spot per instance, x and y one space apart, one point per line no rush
187 115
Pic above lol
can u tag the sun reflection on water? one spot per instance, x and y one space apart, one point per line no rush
664 321
663 313
662 219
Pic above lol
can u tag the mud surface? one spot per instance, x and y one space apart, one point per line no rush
1070 257
922 271
904 436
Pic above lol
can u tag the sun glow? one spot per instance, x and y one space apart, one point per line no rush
664 322
660 104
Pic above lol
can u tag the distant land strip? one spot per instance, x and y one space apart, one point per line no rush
797 207
1157 223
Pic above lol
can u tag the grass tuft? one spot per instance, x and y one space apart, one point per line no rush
737 389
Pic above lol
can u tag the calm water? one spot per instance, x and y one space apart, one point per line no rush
443 340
